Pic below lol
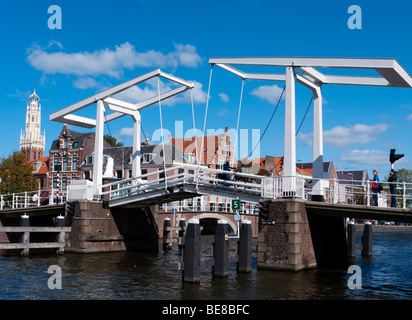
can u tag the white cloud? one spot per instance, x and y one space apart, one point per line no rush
409 117
108 61
187 55
125 132
223 112
268 93
137 94
367 157
224 97
340 136
86 83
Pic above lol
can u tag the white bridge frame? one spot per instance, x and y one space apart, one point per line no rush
303 71
120 108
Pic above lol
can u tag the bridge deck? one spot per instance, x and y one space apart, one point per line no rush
181 191
359 211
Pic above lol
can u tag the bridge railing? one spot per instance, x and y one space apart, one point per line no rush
201 176
207 204
29 199
354 192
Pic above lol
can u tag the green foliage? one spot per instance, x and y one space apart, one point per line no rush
16 174
113 141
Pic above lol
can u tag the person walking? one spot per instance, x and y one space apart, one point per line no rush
375 187
393 177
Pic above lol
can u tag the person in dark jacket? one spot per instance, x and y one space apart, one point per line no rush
393 177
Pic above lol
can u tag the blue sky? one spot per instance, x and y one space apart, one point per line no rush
104 43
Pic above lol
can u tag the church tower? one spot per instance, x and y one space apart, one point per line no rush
32 142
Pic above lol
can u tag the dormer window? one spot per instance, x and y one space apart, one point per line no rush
189 157
148 157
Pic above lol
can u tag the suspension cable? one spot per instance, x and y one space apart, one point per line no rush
238 118
194 125
162 133
207 105
270 120
304 117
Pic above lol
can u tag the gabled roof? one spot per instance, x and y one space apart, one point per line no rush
354 177
116 153
194 144
78 138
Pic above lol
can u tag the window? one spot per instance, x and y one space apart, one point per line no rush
148 157
65 144
219 165
75 164
56 165
119 173
89 159
189 157
144 171
55 183
64 183
65 164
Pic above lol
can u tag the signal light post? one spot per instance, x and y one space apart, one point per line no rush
264 209
394 157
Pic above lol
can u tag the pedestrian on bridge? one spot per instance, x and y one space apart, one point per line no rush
393 177
375 187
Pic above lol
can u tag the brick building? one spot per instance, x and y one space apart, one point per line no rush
67 154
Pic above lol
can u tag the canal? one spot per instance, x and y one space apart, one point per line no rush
138 276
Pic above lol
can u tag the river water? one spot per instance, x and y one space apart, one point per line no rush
130 275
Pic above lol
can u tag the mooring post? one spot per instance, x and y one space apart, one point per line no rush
367 240
351 240
221 250
245 247
167 234
191 252
60 238
182 228
25 237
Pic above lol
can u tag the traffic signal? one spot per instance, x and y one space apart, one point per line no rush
394 157
264 209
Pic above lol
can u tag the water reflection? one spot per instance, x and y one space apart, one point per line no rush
131 275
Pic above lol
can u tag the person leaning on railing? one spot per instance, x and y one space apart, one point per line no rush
392 187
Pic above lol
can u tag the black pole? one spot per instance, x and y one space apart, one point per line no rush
191 252
351 240
221 250
245 247
367 240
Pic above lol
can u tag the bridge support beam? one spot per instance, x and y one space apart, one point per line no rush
136 171
289 167
318 190
98 150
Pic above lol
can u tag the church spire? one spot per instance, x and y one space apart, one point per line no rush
32 142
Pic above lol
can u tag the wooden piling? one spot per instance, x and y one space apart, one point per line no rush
367 240
192 251
167 234
351 240
221 250
245 247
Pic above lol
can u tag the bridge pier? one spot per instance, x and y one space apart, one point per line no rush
284 241
294 238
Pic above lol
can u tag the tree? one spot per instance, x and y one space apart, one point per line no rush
16 174
405 175
113 141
